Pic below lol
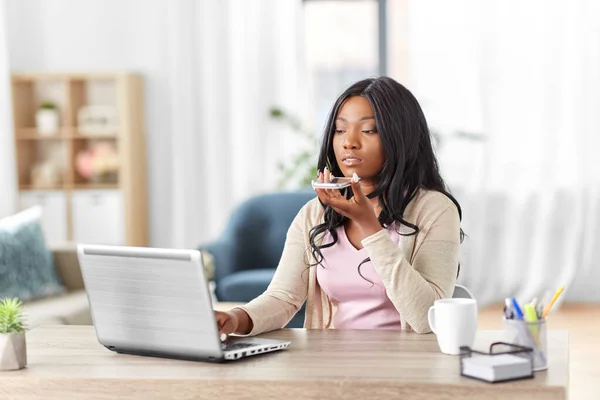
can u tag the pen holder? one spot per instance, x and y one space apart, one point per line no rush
529 334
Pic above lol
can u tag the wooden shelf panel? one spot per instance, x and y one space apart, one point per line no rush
26 78
63 133
53 76
78 186
38 187
80 136
94 186
32 134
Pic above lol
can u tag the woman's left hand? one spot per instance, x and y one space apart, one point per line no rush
358 208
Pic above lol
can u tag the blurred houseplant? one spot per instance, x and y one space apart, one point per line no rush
302 168
99 163
13 350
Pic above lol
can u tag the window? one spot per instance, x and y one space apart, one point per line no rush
341 47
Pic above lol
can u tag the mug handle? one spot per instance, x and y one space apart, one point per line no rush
431 318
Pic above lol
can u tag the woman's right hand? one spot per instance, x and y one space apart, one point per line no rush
227 322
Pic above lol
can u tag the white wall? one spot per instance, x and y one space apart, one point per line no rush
103 35
7 170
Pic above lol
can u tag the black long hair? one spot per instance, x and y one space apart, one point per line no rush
410 163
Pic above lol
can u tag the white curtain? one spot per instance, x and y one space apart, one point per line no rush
229 62
7 170
211 69
526 75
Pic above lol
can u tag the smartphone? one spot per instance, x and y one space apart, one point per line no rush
336 183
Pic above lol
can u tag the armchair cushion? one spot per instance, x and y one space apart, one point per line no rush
245 285
252 242
256 233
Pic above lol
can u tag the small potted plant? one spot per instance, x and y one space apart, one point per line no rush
46 118
13 351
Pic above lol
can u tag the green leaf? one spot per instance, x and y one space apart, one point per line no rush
301 168
11 316
276 113
48 105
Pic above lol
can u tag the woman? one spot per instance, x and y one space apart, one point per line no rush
378 254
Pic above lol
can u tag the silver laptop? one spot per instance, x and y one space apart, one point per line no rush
156 302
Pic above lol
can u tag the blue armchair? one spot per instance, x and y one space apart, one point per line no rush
248 252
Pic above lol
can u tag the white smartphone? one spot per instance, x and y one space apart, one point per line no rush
336 183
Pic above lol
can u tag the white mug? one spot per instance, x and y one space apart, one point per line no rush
454 322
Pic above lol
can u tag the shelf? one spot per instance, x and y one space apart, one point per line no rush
94 186
63 133
78 186
53 76
112 135
32 134
26 77
49 167
34 187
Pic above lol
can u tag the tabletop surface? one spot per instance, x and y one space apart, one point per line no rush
363 357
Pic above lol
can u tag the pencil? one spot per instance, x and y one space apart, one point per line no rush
549 306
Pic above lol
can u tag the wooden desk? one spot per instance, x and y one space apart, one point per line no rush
68 362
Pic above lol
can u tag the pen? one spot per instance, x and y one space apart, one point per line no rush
517 308
539 310
531 316
533 301
508 314
549 306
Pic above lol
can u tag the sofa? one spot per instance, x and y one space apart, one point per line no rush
47 280
247 253
68 308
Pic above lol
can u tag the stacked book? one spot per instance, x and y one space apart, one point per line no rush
496 368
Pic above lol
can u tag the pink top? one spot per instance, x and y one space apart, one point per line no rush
360 303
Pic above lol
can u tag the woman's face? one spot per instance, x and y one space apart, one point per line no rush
356 142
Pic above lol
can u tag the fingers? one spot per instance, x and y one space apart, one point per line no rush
220 320
324 194
227 329
225 324
330 197
321 194
328 176
356 189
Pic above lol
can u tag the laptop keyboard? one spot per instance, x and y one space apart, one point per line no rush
236 346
